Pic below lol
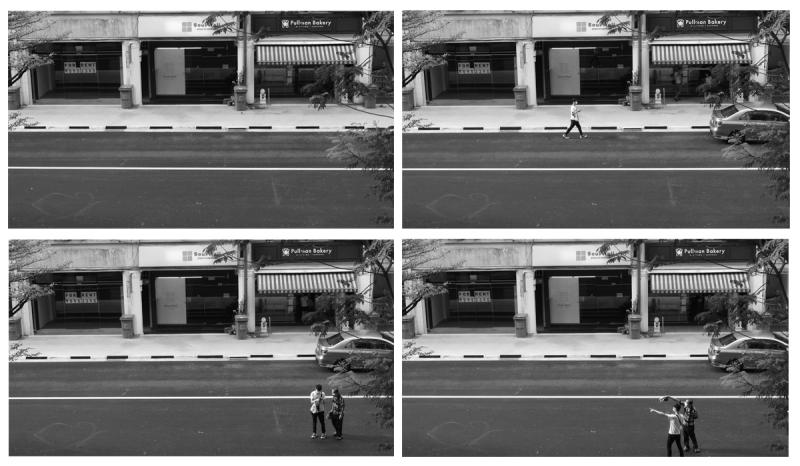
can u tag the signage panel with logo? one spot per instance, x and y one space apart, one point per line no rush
307 24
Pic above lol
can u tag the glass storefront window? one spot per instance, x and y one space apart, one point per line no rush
82 301
210 302
88 70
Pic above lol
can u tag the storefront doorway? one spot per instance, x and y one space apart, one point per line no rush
86 72
82 302
475 71
188 72
586 300
478 300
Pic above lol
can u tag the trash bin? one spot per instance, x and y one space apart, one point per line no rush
369 97
240 98
126 96
241 327
636 98
14 329
127 325
408 100
408 327
521 97
635 326
14 101
521 326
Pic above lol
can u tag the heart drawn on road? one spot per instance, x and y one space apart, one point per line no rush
457 434
67 436
458 207
60 205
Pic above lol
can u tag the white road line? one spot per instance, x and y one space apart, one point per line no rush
573 397
599 169
265 397
249 169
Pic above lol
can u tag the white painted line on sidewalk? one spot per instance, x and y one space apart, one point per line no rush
263 169
234 397
598 169
575 397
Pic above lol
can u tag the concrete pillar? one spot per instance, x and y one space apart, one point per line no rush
526 298
26 316
241 58
644 80
419 90
132 298
420 318
246 281
526 68
26 88
132 68
250 79
644 295
758 288
635 58
758 56
364 60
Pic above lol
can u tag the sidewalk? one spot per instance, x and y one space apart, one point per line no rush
671 117
673 345
280 346
285 117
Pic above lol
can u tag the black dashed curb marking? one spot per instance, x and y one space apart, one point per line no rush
115 127
473 128
428 128
80 357
430 356
305 356
306 127
260 127
160 127
354 127
116 357
209 356
555 356
260 355
655 127
700 127
609 128
162 357
36 357
473 356
603 356
698 355
654 355
35 127
78 127
510 356
510 128
212 127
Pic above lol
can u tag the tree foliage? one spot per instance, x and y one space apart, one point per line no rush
24 35
27 266
422 259
418 29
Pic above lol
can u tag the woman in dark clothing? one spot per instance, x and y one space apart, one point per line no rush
336 413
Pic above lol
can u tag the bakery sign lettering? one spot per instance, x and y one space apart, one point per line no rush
477 296
311 251
80 297
306 24
694 23
702 251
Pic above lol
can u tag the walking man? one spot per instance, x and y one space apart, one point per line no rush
573 121
317 399
689 416
674 432
337 412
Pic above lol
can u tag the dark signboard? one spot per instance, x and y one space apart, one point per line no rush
300 251
307 24
691 22
701 23
276 24
691 251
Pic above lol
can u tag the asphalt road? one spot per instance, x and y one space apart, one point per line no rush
178 408
184 180
588 408
611 180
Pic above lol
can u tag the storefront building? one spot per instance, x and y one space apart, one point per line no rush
174 58
564 55
568 286
176 287
558 286
686 274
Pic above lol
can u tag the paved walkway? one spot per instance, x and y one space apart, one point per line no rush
673 345
285 117
671 117
278 345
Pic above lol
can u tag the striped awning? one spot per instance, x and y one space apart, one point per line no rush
337 54
306 282
734 282
709 54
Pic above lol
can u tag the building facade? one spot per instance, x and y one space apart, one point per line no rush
568 286
562 55
173 57
176 287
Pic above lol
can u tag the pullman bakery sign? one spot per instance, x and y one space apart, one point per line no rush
700 252
307 24
700 23
317 252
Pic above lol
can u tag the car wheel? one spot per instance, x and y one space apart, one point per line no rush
341 366
735 365
737 137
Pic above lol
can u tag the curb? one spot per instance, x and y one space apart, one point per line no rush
170 357
198 128
583 357
551 129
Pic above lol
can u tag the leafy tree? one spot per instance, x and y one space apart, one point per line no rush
422 260
27 266
418 26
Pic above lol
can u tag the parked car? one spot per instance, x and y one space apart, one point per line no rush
742 352
738 121
350 349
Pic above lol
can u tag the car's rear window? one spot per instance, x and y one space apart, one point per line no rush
333 339
728 111
727 339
